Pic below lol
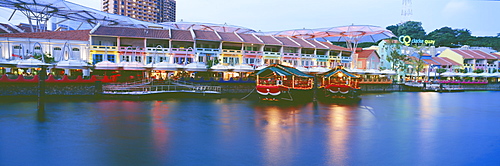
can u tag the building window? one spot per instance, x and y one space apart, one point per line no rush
57 48
111 58
76 49
96 58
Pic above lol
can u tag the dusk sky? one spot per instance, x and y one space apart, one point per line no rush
479 16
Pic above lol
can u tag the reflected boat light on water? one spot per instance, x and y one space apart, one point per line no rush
339 120
387 129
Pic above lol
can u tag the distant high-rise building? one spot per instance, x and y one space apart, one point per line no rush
145 10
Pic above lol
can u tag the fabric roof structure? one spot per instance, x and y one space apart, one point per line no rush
355 33
358 33
207 27
74 12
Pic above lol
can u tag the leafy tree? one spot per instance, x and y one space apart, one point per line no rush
394 55
412 28
446 36
394 29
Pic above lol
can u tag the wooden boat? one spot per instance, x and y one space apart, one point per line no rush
339 84
278 82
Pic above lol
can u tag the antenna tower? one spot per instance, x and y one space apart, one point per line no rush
406 12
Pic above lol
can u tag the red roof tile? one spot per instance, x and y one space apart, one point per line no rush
269 40
365 53
132 32
228 36
81 35
249 38
181 35
287 42
431 62
445 61
474 54
303 43
318 44
206 35
10 28
335 47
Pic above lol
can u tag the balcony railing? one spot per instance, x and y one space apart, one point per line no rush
291 55
182 50
324 57
307 55
100 47
227 51
208 50
252 52
272 53
159 50
133 49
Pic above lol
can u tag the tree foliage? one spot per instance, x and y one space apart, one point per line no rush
412 28
445 36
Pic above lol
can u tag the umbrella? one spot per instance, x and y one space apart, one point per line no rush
107 65
72 64
242 68
196 67
31 63
167 66
132 66
220 68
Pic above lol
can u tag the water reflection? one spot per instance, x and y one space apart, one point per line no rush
339 119
159 112
429 109
279 130
385 129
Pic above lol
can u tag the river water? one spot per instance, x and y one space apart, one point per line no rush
400 128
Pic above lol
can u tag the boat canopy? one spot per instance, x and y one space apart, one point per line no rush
282 71
341 70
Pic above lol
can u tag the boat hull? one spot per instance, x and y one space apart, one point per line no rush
340 92
279 93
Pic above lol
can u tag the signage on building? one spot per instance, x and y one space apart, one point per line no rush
407 41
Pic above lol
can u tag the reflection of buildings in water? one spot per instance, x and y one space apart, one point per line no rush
279 129
429 108
119 120
159 113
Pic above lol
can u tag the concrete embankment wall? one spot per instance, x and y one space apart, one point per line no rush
31 89
94 89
